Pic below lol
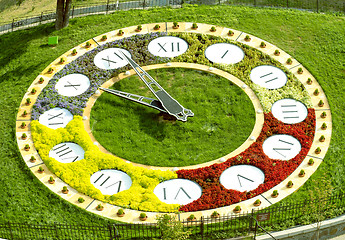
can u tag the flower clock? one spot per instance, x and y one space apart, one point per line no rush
100 127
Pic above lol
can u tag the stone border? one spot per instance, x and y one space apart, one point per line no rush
132 216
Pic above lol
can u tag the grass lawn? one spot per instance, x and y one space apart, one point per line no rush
316 40
223 119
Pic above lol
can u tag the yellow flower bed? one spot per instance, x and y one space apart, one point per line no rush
139 196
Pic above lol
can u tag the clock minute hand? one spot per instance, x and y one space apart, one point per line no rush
171 106
150 102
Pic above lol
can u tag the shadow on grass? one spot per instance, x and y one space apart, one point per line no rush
14 45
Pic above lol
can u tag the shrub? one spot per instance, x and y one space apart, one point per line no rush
290 184
215 214
237 208
142 215
99 207
32 159
311 161
194 26
171 228
81 200
322 138
120 211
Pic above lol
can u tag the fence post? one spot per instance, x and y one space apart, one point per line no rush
317 5
251 217
202 227
73 11
287 3
107 7
56 231
12 24
9 224
254 3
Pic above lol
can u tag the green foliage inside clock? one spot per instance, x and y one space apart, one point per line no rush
224 118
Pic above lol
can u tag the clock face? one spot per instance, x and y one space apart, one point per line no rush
111 58
72 85
289 121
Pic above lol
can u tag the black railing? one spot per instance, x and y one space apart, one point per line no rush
231 225
109 7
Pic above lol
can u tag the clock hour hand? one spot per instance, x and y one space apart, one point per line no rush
150 102
171 106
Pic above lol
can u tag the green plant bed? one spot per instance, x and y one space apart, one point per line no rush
223 119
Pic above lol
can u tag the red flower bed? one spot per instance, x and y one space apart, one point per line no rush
215 195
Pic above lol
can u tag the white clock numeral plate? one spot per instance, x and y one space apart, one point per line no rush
242 178
111 181
72 85
225 53
56 118
289 111
168 46
281 146
111 58
269 77
67 152
178 191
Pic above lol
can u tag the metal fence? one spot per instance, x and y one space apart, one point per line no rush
231 225
311 5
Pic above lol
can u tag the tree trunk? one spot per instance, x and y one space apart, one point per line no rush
62 13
